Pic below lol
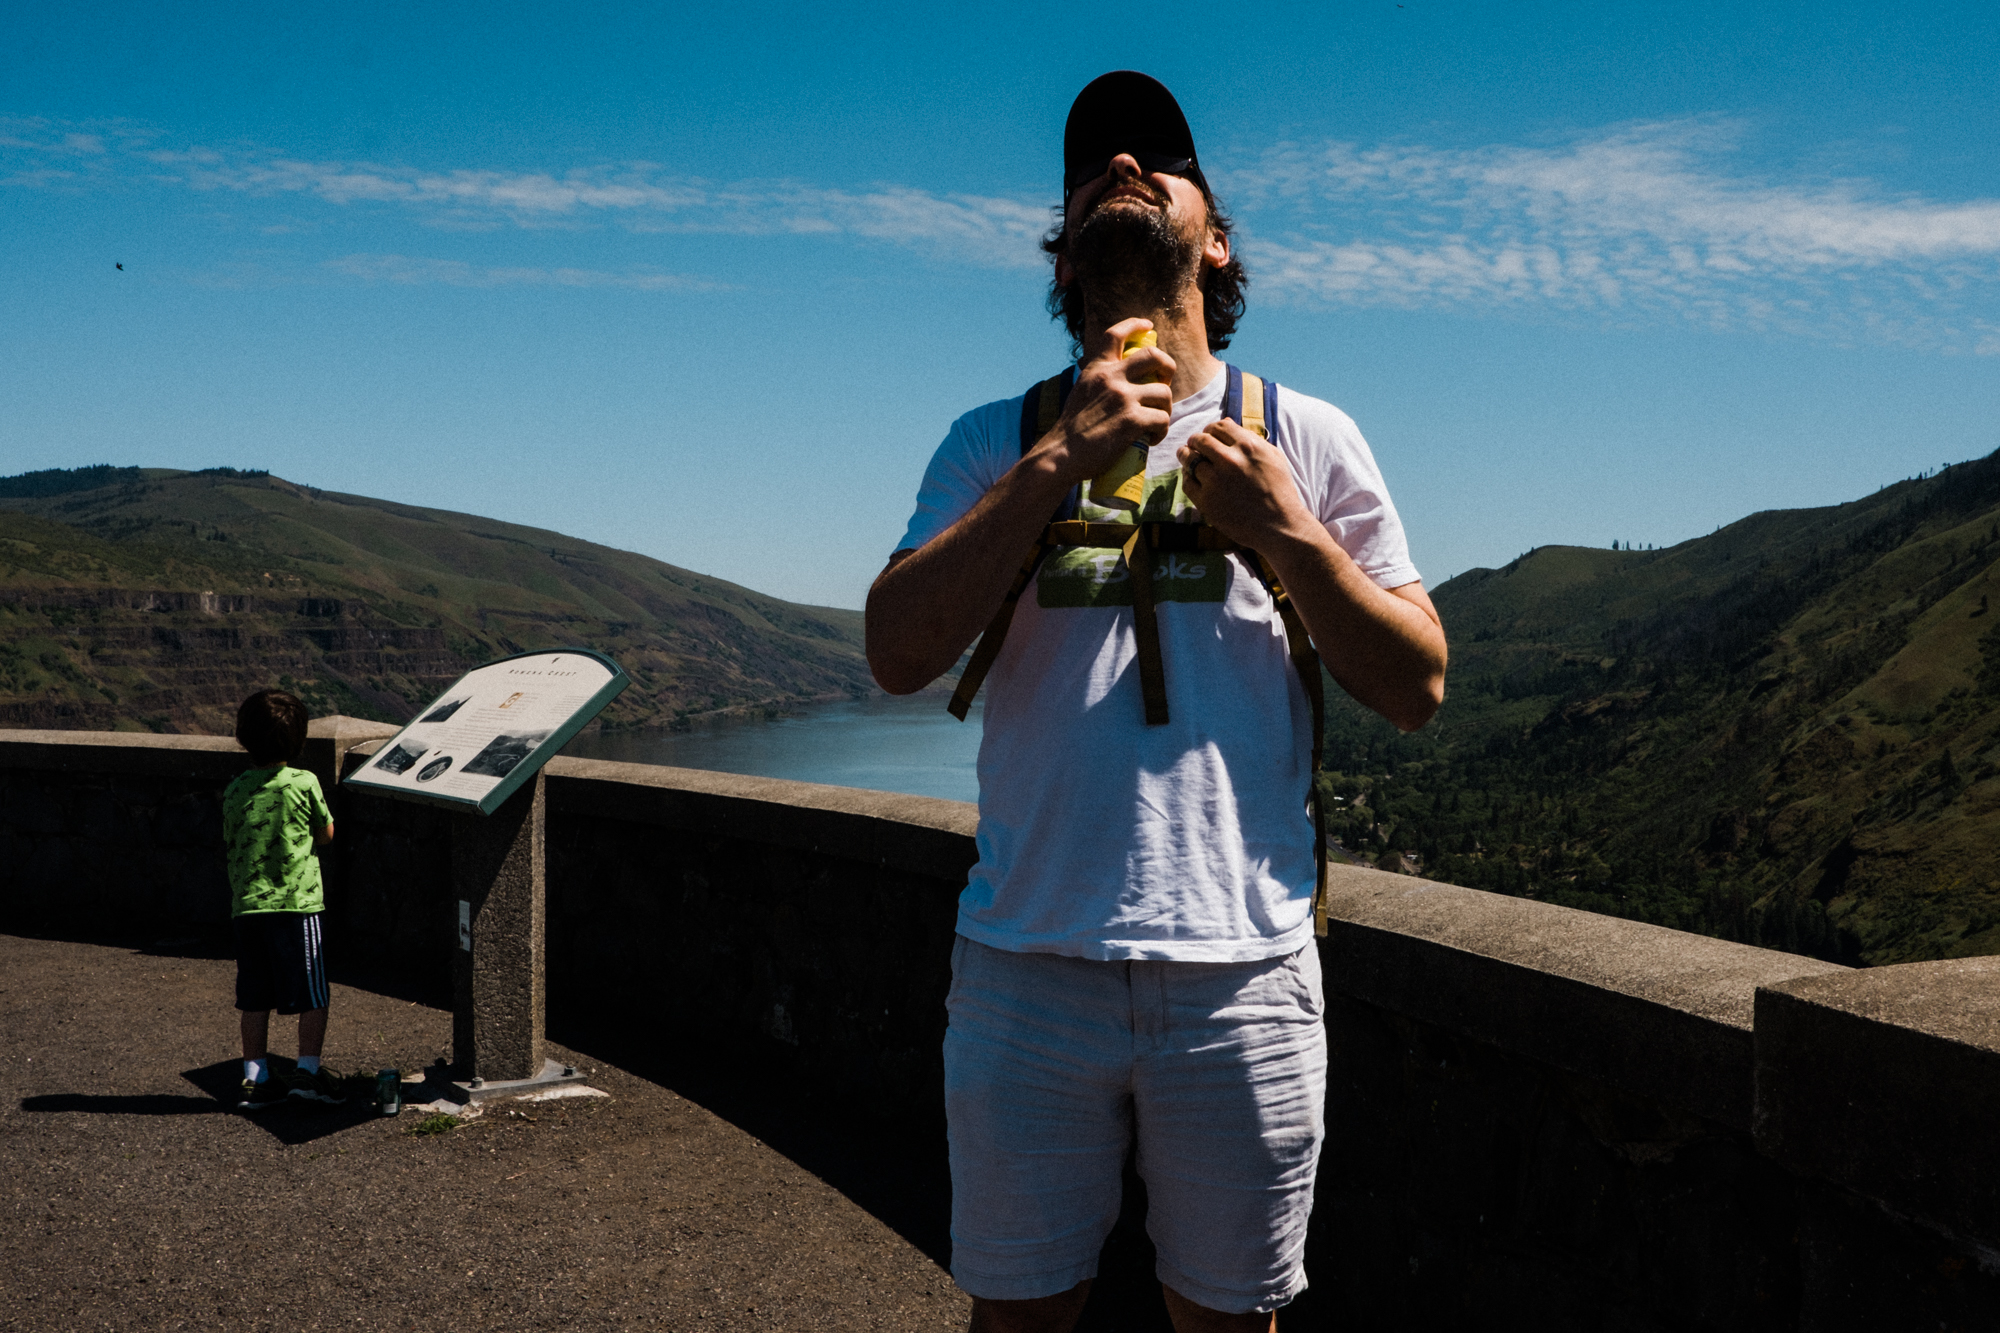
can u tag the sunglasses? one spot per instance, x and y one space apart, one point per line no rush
1164 163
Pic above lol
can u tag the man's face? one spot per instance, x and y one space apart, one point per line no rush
1125 186
1137 240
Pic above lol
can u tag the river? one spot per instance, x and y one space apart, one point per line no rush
909 745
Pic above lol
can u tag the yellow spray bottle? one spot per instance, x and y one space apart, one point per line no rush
1123 484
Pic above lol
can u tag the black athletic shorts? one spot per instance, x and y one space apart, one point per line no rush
279 962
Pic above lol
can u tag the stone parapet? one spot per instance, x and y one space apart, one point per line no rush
1656 1013
122 753
918 835
1887 1081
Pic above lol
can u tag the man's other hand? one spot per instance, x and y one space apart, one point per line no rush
1243 486
1118 401
1384 645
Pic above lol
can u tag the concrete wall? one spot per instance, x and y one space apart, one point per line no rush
815 922
1590 1123
120 834
1537 1117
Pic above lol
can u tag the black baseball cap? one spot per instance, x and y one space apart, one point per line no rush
1127 112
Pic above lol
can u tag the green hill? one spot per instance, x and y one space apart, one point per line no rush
1786 732
153 598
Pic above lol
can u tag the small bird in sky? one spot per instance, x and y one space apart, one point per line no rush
120 268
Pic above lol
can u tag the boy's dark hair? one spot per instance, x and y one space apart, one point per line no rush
271 725
1221 288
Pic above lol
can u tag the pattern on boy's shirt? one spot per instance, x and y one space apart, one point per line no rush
268 818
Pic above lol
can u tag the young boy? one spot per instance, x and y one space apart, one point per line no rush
271 817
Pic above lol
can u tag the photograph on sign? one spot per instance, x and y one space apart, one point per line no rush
494 727
443 712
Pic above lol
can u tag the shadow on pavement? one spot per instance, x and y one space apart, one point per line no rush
290 1122
898 1171
209 941
157 1103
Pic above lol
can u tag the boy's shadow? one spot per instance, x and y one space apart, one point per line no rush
290 1122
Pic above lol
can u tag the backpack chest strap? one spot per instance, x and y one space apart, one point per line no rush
1164 537
1243 401
1247 400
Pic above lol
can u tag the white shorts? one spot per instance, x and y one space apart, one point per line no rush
1053 1064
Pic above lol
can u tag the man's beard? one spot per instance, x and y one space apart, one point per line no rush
1132 260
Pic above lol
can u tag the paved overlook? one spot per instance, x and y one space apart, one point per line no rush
135 1197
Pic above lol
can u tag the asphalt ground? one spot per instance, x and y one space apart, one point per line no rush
134 1195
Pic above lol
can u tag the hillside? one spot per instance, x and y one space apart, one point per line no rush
1784 732
153 598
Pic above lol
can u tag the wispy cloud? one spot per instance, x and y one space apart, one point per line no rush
50 153
1634 224
977 229
1648 218
638 196
409 271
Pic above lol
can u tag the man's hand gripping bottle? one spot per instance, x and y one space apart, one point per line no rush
1123 484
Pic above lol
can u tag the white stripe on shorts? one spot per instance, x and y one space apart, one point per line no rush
316 990
1053 1065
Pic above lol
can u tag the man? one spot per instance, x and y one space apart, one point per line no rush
1135 964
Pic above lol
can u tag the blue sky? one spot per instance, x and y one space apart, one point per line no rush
711 283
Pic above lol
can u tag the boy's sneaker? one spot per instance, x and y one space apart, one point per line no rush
257 1096
319 1086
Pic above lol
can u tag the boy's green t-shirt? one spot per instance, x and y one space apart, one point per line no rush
268 818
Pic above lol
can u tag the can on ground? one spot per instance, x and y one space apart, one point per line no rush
389 1091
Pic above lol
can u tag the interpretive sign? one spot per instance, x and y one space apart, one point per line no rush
481 739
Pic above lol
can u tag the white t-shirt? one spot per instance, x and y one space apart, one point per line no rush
1102 837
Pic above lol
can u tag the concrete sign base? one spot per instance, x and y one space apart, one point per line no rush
499 885
553 1075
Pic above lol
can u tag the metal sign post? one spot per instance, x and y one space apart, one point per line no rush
479 749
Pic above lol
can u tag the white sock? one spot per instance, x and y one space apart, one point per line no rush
255 1071
309 1063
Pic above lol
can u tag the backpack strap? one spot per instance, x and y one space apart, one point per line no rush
1139 547
1253 403
1144 540
1305 661
1041 408
1146 623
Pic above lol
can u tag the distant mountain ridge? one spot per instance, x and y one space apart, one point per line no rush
63 480
156 598
1786 732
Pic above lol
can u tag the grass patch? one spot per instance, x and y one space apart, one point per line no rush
439 1122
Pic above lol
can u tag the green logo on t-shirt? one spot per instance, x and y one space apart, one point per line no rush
1080 576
